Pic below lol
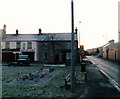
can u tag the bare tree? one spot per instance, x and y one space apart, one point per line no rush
53 42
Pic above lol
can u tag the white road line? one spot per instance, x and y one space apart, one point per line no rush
115 84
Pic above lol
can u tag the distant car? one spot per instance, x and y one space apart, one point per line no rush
23 60
87 53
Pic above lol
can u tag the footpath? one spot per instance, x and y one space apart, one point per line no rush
98 85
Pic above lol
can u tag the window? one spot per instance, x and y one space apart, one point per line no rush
29 45
23 45
45 46
12 45
34 45
68 55
2 45
45 56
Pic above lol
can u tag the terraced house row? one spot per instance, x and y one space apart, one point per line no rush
41 47
111 50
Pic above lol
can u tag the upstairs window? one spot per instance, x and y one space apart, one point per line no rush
12 45
29 45
2 45
23 45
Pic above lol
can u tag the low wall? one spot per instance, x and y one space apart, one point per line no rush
113 54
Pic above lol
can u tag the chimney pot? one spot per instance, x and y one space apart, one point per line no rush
4 29
40 31
76 30
16 31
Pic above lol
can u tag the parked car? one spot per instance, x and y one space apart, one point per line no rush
23 60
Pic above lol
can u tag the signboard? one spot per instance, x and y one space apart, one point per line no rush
82 47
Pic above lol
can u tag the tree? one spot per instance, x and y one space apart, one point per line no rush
97 50
52 44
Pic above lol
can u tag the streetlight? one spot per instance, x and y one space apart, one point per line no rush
79 32
79 40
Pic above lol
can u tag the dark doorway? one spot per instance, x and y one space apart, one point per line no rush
8 57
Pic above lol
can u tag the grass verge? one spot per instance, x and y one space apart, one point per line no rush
53 87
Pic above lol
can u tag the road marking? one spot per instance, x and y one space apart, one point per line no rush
115 84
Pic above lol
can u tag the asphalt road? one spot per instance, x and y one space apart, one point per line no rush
111 69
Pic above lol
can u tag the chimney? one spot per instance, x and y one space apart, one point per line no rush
17 31
76 30
76 38
111 41
4 29
40 31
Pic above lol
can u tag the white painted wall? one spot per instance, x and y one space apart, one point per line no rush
110 46
23 45
2 45
34 46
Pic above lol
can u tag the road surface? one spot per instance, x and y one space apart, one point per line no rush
111 69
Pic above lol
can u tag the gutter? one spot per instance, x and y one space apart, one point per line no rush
113 82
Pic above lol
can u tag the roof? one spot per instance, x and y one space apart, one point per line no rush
39 37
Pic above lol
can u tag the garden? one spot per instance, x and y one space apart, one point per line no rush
39 81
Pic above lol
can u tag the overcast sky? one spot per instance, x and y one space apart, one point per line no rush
99 18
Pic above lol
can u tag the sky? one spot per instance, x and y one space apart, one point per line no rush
96 20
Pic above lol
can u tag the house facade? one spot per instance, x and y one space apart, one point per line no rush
111 50
0 45
41 47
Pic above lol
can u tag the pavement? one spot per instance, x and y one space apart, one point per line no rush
98 85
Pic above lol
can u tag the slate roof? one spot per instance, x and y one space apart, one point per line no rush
38 37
